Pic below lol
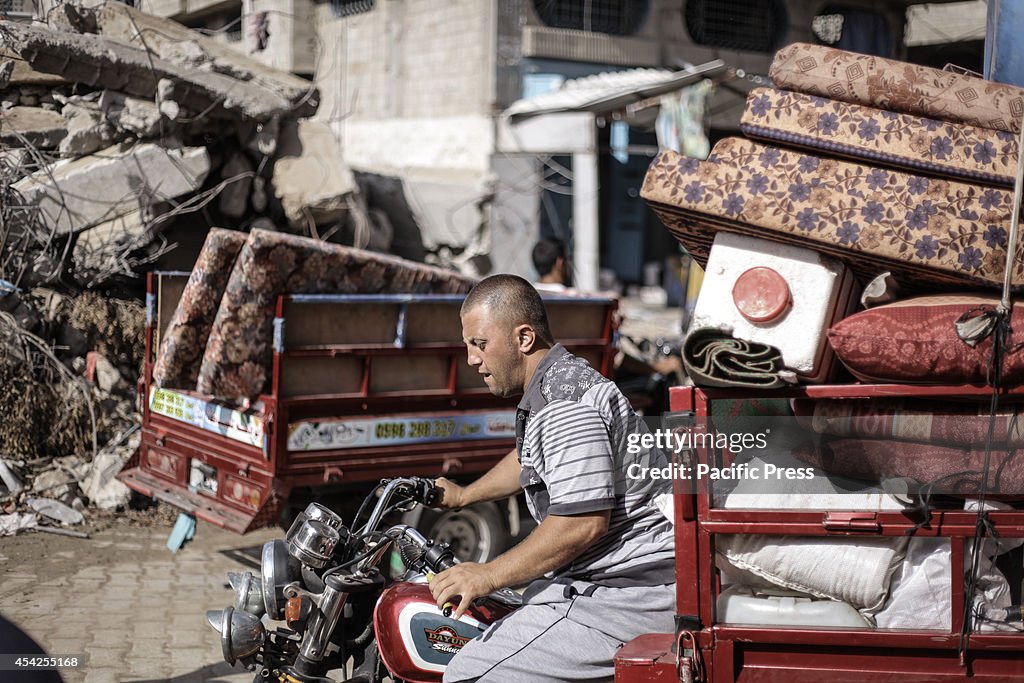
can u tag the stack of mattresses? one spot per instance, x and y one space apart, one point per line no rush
885 167
220 340
919 191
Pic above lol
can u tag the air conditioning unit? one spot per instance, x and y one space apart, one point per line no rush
653 33
17 9
595 31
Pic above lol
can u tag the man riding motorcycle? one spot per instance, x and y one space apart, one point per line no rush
601 558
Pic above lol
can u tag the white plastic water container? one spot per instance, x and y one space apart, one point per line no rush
739 604
777 294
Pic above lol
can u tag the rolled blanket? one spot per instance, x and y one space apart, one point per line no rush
714 358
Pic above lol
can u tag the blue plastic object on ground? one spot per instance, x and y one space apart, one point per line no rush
184 531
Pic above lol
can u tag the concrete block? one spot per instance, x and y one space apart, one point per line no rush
41 128
131 114
311 179
75 195
87 130
98 247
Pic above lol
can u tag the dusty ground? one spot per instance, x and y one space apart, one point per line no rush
121 598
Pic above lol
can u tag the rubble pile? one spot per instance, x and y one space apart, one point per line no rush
123 139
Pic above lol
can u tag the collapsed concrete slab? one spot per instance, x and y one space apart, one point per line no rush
75 195
181 45
23 74
311 178
40 128
106 63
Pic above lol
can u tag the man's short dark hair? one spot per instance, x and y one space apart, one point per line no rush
545 253
516 298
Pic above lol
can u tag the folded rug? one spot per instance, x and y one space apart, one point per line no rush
715 359
926 231
937 422
898 86
238 354
863 132
183 343
949 470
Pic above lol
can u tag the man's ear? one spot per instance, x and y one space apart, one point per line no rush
526 338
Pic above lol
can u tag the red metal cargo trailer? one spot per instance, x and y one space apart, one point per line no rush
362 387
717 652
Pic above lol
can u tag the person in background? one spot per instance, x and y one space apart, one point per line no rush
551 260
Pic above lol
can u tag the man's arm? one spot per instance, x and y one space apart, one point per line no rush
555 542
501 481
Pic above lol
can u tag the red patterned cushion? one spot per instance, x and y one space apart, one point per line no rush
915 342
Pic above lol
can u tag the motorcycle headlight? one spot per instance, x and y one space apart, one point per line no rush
241 633
313 543
317 513
248 593
277 570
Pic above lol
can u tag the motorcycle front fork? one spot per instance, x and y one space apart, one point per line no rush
368 669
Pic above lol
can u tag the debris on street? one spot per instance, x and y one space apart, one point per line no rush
124 138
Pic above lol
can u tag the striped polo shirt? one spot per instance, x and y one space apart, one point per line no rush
572 427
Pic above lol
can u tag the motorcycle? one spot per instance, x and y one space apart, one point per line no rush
322 601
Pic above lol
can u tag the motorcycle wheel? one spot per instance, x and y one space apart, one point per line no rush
475 534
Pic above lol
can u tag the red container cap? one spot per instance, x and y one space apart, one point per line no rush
761 295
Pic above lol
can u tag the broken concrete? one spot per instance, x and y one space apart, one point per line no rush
87 130
97 247
311 178
131 114
178 44
234 198
38 127
103 490
74 195
23 74
105 63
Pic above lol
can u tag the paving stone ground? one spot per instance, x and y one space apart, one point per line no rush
120 597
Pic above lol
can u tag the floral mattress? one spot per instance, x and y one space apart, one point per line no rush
898 86
876 135
928 232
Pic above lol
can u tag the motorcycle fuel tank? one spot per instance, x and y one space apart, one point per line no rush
416 641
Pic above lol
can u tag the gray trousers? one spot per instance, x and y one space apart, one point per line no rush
566 631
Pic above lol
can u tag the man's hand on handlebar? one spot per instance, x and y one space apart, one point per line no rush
466 581
452 495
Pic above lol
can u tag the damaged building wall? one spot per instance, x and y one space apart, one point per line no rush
409 89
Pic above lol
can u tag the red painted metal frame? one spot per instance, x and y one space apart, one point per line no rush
276 471
806 655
